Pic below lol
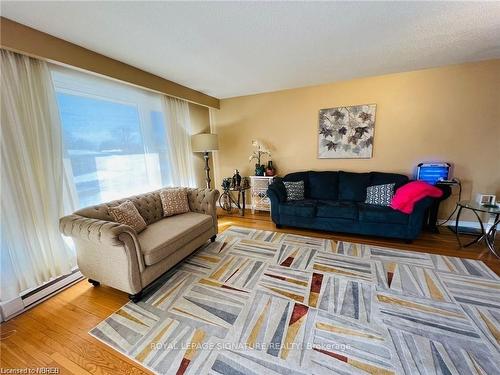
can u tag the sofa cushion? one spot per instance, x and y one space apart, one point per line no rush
352 186
369 213
324 185
304 208
164 237
382 178
338 210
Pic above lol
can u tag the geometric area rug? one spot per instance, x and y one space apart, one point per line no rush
262 302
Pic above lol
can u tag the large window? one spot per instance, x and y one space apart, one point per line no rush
114 137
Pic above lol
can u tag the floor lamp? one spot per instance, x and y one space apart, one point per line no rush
205 143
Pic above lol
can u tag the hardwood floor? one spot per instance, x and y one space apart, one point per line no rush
54 333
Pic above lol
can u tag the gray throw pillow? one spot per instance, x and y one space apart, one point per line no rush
380 195
294 190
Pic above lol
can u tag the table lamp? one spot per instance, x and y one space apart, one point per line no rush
205 143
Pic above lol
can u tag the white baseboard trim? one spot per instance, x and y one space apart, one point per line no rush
10 309
470 224
465 224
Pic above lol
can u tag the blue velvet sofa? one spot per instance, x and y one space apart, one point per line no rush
334 201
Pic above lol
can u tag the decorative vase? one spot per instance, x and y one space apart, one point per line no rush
260 170
236 178
226 184
270 170
245 183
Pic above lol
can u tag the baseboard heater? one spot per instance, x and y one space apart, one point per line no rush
33 297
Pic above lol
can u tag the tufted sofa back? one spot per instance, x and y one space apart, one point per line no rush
148 205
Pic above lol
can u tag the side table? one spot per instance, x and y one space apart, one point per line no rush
489 236
226 199
258 192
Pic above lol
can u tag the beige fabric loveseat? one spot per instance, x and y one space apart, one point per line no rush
115 255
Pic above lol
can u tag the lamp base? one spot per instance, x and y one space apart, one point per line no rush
207 170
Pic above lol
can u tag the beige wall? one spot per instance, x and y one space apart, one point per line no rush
200 123
450 114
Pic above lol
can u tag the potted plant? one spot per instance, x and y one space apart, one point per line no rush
260 150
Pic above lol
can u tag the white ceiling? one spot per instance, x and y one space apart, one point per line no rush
228 49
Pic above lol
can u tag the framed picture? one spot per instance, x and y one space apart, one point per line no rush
346 132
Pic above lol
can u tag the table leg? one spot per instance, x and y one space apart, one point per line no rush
225 201
243 205
456 226
232 200
493 230
490 236
483 232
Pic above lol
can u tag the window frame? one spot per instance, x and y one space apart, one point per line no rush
76 83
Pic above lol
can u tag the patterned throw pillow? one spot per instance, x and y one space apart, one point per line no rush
294 190
174 201
126 213
380 195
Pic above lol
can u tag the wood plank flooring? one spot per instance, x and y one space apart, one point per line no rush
54 333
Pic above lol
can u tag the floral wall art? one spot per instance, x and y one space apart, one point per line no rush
346 132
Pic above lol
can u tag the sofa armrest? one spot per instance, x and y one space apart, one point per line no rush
421 207
99 231
417 217
102 244
277 194
204 201
278 188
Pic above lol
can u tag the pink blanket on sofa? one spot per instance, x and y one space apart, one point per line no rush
407 195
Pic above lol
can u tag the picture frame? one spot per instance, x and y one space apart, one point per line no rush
346 132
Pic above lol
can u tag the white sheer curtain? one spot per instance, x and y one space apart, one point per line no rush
33 250
114 137
178 123
215 155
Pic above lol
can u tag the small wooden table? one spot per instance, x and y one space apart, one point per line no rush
227 200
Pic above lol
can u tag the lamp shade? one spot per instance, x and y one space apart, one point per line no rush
204 142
